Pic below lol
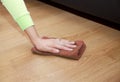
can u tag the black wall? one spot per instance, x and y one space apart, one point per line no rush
106 9
103 11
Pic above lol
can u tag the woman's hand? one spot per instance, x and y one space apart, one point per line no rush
48 45
54 45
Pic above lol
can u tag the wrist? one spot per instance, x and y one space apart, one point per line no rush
32 34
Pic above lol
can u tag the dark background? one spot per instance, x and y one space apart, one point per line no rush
103 11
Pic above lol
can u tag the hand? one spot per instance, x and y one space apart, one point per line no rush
53 45
48 45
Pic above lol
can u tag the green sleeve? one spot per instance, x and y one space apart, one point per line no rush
19 12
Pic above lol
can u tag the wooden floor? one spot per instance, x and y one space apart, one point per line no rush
99 63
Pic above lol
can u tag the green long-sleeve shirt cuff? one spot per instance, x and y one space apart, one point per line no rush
19 12
24 21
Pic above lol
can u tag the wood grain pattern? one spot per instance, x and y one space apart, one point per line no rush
100 62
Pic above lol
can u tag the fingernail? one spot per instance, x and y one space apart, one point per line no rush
70 49
57 51
75 46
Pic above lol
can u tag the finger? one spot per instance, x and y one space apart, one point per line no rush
63 47
72 42
70 45
67 41
53 50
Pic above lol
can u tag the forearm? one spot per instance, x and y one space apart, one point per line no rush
19 12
